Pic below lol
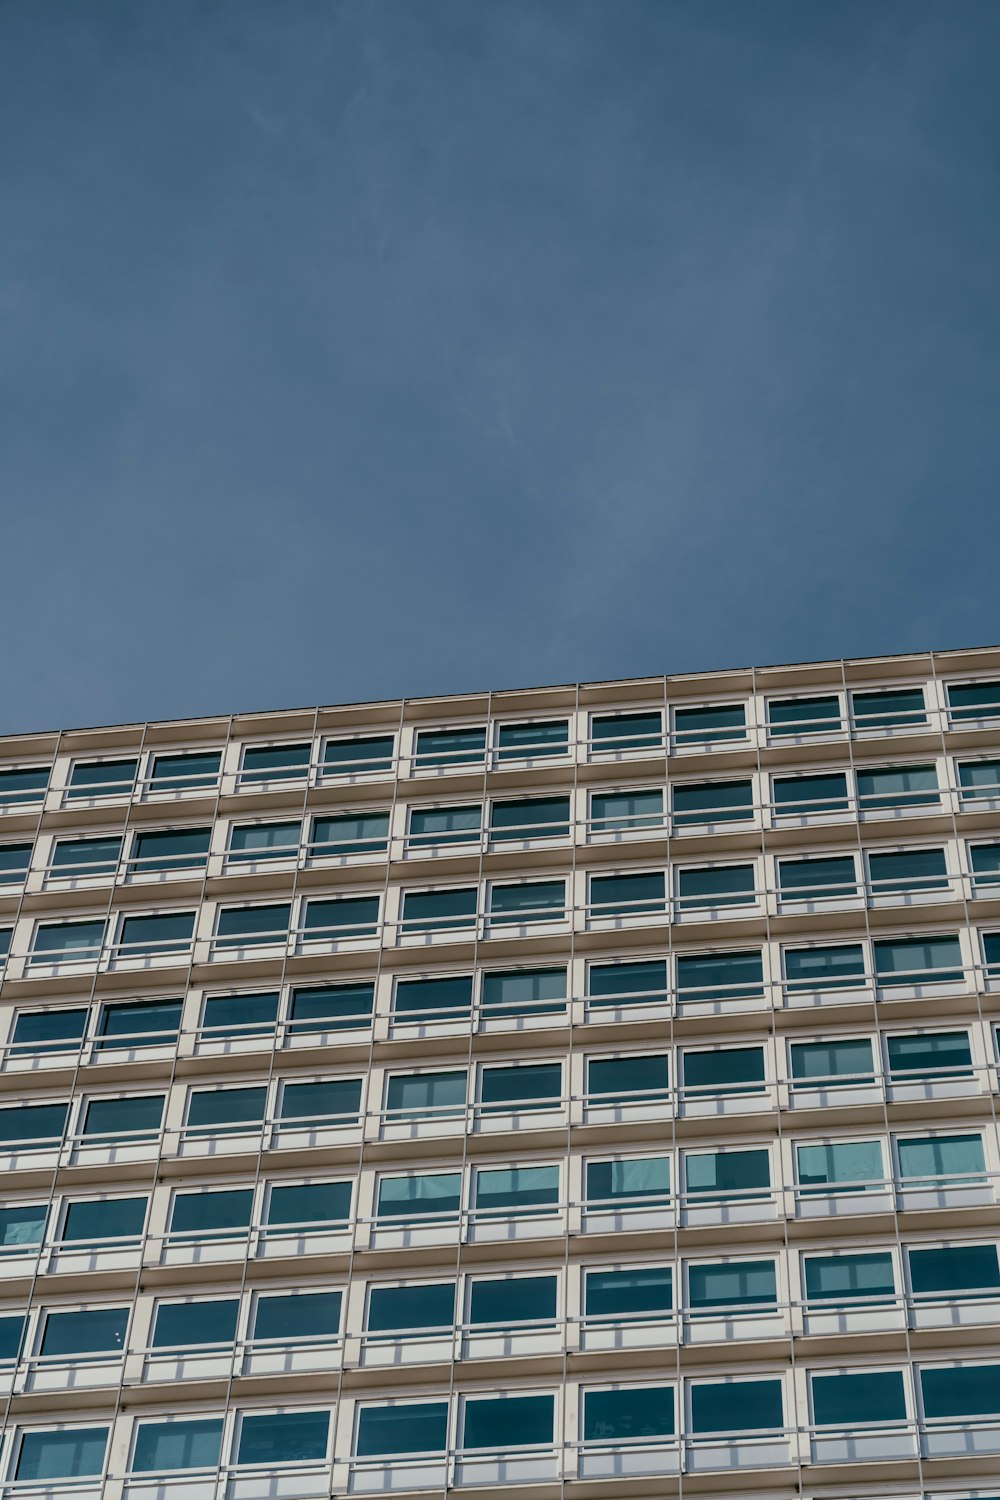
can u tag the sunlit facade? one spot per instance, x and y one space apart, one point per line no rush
581 1091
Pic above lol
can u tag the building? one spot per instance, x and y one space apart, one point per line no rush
585 1091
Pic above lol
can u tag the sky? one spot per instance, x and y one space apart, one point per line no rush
356 349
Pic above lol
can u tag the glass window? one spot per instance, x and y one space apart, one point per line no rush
918 960
836 1063
980 778
991 952
181 1443
441 999
817 879
531 741
235 1016
929 1056
84 859
21 1225
719 976
719 1071
840 1167
250 842
985 860
498 1422
897 786
527 1086
974 700
14 862
712 802
420 1195
711 724
627 984
789 716
24 785
737 1406
805 795
185 773
438 911
444 825
860 1396
892 708
137 1116
631 1411
717 885
731 1284
961 1391
403 1428
290 1205
67 942
347 917
899 873
503 1301
11 1338
849 1279
530 818
252 926
91 1219
529 901
350 833
101 778
189 1325
612 811
28 1125
274 763
947 1158
334 1101
170 849
139 1023
283 1437
523 992
630 1181
5 935
220 1111
37 1032
404 1309
628 895
291 1316
449 747
211 1214
625 1296
331 1007
727 1174
628 1080
167 932
634 731
835 968
500 1191
358 757
69 1453
98 1330
951 1270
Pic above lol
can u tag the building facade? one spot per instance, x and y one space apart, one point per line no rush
581 1091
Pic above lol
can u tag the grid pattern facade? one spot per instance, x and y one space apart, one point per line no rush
587 1089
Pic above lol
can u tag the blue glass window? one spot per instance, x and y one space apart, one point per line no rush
817 879
331 1007
892 708
844 1400
263 763
979 779
523 992
251 842
504 1301
719 885
634 731
293 1316
252 926
792 716
334 1101
235 1016
929 1055
14 862
149 936
942 1159
28 784
510 1190
67 942
170 849
103 778
954 1270
610 812
430 826
712 802
449 747
628 984
139 1023
98 1330
628 895
439 911
532 741
31 1125
346 917
192 1325
433 999
631 1181
350 833
641 1291
420 1195
530 818
632 1411
974 700
961 1391
283 1437
719 1071
840 1167
358 757
732 1284
85 859
529 901
804 796
38 1032
89 1220
211 1214
723 1175
403 1309
222 1111
859 1277
835 968
719 976
836 1063
21 1226
291 1205
192 772
403 1428
136 1117
897 786
69 1453
498 1422
737 1406
900 873
985 860
638 1079
903 961
710 725
182 1443
529 1086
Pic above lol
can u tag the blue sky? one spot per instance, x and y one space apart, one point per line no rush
361 348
